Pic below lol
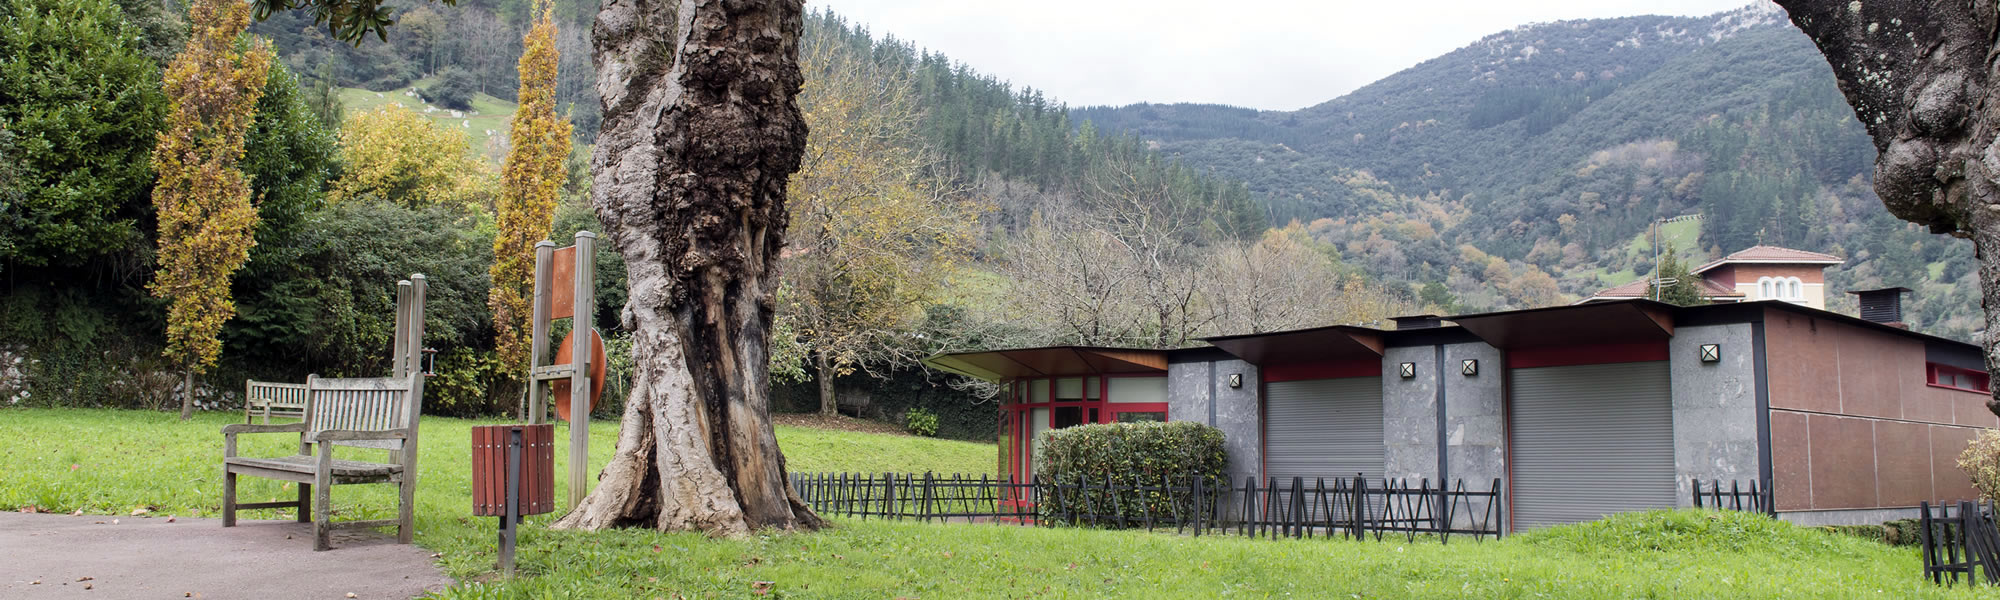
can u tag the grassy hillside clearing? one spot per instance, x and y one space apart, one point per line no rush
486 125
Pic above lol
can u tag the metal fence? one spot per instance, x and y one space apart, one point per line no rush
1347 507
1960 542
1756 498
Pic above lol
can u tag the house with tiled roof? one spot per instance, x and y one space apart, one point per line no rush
1756 273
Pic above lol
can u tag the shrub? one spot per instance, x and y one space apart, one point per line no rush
921 422
1981 462
1125 456
454 89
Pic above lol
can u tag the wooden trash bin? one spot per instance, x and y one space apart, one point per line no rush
517 463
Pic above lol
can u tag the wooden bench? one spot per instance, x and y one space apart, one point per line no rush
267 398
377 412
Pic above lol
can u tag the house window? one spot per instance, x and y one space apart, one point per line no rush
1945 376
1790 289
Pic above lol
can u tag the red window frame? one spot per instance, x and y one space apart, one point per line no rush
1979 378
1018 415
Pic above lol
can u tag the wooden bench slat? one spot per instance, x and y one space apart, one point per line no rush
306 464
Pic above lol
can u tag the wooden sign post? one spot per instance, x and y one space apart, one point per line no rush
565 287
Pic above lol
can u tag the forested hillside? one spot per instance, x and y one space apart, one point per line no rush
1540 155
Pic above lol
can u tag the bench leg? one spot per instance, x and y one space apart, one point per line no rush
406 526
228 498
305 503
323 503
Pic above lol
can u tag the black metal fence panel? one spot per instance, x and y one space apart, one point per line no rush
1754 498
1346 507
1966 543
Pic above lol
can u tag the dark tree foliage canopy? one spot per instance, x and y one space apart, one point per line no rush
346 20
82 107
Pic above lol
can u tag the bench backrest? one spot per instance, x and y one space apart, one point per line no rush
269 398
379 403
365 404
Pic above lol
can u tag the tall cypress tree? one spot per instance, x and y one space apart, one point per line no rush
202 196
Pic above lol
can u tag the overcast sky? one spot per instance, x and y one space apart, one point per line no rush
1268 54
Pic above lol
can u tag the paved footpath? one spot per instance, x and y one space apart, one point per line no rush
139 557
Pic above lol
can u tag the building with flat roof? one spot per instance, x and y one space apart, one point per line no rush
1580 411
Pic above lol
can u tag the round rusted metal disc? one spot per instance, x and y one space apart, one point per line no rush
559 389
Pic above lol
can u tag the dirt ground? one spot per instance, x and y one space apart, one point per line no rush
103 557
837 423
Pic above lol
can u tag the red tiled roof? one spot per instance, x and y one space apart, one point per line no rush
1771 254
1637 289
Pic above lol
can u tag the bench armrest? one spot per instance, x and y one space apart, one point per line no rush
236 428
348 435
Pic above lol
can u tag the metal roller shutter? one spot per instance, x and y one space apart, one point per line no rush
1323 428
1590 441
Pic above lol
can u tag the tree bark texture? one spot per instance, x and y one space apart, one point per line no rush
823 373
700 134
1918 74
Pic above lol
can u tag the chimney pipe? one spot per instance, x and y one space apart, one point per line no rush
1418 322
1883 306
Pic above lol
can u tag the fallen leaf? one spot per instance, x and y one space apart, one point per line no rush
351 595
140 511
170 518
761 587
31 509
86 586
35 582
85 578
74 466
78 513
114 521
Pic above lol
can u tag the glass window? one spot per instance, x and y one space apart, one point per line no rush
1957 378
1142 417
1068 416
1138 389
1069 388
1091 388
1038 391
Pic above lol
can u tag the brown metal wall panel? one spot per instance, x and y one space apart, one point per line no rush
1969 408
1871 368
1791 461
1803 363
1902 463
1843 462
1928 404
1950 483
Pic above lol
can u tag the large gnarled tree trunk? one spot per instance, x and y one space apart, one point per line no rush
700 133
1919 73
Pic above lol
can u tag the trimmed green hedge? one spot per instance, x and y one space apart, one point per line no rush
1127 456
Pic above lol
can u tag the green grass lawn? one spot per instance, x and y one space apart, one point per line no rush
487 122
115 461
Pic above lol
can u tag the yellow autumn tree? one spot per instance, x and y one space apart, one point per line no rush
874 232
530 184
394 154
202 196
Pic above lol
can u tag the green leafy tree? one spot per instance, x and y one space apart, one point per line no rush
83 107
1680 287
530 184
202 196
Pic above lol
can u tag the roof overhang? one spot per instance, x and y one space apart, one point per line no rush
1052 361
1603 322
1319 344
1763 261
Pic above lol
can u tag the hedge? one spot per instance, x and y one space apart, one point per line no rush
1128 456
